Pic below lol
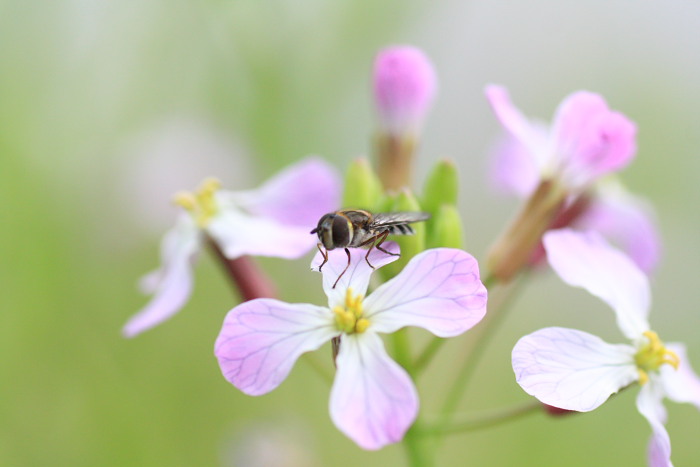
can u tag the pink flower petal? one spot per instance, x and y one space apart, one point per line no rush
373 400
172 283
404 88
240 234
585 259
590 139
297 196
438 290
572 369
683 384
515 170
261 339
358 274
649 405
527 134
627 221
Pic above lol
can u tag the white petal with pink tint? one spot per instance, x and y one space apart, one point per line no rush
438 290
649 404
261 339
297 196
572 369
627 221
172 283
683 384
373 400
514 168
585 259
240 234
358 274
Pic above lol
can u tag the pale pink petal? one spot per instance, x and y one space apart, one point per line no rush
373 400
172 283
585 259
589 139
627 221
358 273
515 170
572 369
240 234
297 196
683 384
261 339
529 135
438 290
649 405
404 88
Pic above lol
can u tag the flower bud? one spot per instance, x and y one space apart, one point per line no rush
404 88
363 190
441 187
446 228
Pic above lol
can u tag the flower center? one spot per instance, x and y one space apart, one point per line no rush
652 355
349 318
201 204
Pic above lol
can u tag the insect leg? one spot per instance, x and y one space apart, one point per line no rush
371 242
379 245
347 252
324 254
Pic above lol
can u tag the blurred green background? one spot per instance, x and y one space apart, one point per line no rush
106 108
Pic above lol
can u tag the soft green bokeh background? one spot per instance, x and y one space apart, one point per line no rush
108 107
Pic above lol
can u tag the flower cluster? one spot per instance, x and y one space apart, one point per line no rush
572 208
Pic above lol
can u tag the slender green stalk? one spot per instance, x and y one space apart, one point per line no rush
415 444
486 420
318 367
402 349
427 354
495 316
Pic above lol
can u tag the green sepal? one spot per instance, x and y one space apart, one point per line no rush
363 190
410 245
441 187
446 228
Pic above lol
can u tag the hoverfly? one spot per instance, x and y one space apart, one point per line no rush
357 228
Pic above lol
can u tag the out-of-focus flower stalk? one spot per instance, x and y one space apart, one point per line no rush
514 248
245 275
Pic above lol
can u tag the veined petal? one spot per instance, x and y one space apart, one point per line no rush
373 400
261 339
683 384
515 122
240 234
585 259
297 196
172 283
589 139
649 404
438 290
572 369
358 273
627 220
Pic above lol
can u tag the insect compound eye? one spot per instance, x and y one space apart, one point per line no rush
341 232
323 230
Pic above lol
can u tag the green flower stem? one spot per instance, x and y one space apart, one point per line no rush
485 420
415 444
494 317
402 350
427 354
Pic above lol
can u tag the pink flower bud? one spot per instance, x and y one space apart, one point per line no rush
404 88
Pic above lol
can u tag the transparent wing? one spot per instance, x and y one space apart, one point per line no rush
386 219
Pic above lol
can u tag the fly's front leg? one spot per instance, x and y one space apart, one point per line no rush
324 254
347 252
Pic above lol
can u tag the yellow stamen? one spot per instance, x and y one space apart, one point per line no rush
652 355
349 318
201 205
